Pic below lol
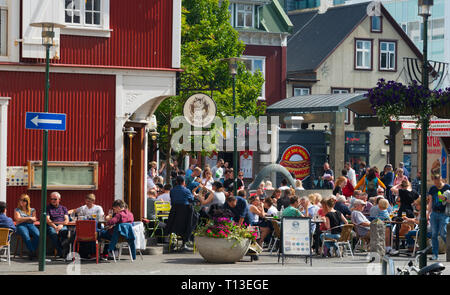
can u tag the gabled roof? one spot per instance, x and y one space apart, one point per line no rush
316 36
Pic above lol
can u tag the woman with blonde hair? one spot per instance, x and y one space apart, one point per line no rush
299 185
25 216
339 185
332 220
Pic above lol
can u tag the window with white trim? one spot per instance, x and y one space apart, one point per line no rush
245 15
254 64
86 18
387 56
363 54
3 28
83 12
339 91
300 91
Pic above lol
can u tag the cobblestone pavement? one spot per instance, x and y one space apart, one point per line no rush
193 264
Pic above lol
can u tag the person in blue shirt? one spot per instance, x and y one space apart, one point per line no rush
239 208
436 213
180 195
5 221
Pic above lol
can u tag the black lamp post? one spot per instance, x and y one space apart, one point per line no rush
233 66
48 33
425 12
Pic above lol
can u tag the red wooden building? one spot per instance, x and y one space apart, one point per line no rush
111 66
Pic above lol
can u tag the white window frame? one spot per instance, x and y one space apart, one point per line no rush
252 25
91 30
363 51
390 54
340 91
263 59
4 28
302 91
11 31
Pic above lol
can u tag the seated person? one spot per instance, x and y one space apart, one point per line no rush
165 195
342 207
57 219
269 208
90 210
151 199
215 198
333 219
292 210
25 216
5 221
362 224
410 236
257 214
239 208
373 213
241 193
120 215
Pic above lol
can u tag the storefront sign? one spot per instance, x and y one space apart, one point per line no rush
296 159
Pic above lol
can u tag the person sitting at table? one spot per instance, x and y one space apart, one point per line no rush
276 196
362 224
89 210
284 201
257 214
342 207
291 210
5 221
269 208
25 216
215 198
57 220
119 215
332 220
410 236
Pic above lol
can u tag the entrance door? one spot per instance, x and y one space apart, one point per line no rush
134 169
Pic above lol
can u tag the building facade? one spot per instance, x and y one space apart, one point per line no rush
110 67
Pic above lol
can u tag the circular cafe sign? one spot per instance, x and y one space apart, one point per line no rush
296 159
199 110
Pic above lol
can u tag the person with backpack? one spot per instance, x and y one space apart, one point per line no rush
369 183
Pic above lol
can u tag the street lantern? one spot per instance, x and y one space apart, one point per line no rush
154 135
425 7
232 67
425 12
48 34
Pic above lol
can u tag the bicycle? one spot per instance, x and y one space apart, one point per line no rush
412 268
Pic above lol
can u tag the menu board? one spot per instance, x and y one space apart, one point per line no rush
296 236
65 175
17 176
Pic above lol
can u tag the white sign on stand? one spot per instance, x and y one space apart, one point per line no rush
296 237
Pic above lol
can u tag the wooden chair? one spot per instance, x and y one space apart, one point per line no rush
344 240
5 234
276 235
85 232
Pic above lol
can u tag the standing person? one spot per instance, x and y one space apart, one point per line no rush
152 171
401 165
436 213
328 176
362 170
416 183
182 218
240 180
399 177
407 197
351 174
370 183
341 182
388 180
217 171
25 216
57 220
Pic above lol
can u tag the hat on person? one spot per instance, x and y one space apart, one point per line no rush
359 202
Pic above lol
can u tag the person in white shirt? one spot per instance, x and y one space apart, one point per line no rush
207 179
89 210
217 171
284 185
215 197
271 209
165 196
351 174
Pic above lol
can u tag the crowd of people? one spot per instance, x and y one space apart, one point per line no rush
357 197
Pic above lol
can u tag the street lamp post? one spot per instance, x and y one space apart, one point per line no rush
48 33
130 132
233 65
425 12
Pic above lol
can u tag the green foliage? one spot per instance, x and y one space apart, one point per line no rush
207 37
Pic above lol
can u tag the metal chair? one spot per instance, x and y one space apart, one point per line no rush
162 210
5 234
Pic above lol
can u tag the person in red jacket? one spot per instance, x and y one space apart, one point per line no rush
348 189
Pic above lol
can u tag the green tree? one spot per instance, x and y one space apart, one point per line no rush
207 37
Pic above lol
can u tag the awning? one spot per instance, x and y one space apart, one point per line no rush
321 103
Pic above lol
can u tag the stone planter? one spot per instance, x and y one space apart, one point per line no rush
221 250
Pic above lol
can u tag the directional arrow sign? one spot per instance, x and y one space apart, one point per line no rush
45 121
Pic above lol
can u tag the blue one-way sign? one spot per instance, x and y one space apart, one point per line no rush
45 121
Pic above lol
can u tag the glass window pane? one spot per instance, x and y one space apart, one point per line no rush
241 6
383 46
391 46
376 23
76 17
392 61
258 65
367 59
97 18
359 59
359 44
240 20
383 61
249 20
248 64
366 45
97 5
89 18
88 4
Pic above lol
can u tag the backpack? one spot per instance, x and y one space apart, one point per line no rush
371 187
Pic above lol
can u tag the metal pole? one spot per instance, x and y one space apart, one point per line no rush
43 218
130 164
235 156
425 122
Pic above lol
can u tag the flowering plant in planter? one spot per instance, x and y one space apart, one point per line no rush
222 227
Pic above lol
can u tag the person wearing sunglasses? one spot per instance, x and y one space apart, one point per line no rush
57 219
25 216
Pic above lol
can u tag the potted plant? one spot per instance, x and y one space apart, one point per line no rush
221 240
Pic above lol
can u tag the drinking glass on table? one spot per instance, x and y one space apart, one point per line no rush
403 214
94 216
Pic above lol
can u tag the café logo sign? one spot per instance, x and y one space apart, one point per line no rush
296 159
